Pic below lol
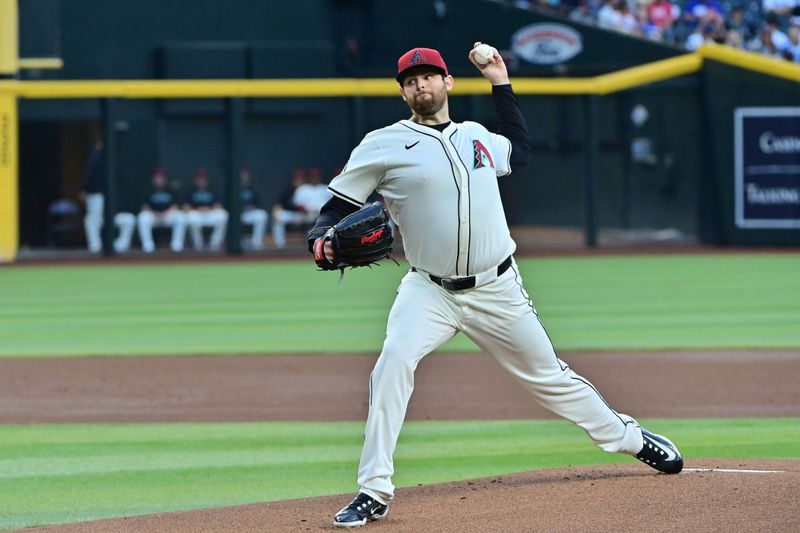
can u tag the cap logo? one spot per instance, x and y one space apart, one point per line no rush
418 57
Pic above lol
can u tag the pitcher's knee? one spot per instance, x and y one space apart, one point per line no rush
394 363
397 361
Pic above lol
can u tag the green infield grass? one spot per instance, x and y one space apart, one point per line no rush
638 302
65 473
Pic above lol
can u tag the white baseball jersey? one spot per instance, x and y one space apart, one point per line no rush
440 188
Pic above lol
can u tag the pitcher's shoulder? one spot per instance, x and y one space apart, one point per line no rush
469 125
381 134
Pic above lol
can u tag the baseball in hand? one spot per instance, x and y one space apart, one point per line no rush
483 54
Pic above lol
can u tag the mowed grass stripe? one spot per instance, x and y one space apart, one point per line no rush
639 302
67 473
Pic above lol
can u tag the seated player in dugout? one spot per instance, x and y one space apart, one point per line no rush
439 180
313 194
285 211
252 213
307 199
204 210
161 210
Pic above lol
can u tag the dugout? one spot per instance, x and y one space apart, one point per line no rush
668 176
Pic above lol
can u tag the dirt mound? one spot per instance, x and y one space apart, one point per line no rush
608 498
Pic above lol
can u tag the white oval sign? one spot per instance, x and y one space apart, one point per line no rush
546 44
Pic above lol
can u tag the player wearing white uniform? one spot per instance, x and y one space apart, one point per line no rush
161 211
204 210
252 213
306 202
92 194
439 181
313 194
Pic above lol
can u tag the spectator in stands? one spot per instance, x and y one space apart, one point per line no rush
734 39
204 210
780 11
616 15
698 22
92 195
608 17
771 41
252 213
645 27
161 211
663 14
583 13
794 42
737 23
697 16
565 7
702 34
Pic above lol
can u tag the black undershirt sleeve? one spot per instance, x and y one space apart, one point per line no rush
511 124
332 212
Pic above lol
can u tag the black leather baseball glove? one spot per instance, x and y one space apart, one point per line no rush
359 239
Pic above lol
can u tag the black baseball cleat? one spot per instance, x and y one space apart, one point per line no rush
659 452
361 509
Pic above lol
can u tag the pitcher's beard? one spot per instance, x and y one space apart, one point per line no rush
427 107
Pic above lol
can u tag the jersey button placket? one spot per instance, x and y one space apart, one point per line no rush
464 220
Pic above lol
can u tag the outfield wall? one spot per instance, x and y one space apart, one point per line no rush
741 203
170 41
671 171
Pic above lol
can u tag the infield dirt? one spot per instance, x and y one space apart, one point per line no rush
669 384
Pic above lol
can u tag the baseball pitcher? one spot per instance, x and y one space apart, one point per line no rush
439 182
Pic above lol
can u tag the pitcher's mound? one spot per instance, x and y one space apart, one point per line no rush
710 495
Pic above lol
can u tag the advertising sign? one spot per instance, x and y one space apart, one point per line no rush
767 167
546 44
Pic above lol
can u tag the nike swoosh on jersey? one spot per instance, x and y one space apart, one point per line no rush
410 146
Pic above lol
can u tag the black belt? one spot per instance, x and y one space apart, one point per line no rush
460 284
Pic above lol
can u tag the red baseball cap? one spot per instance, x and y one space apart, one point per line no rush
420 57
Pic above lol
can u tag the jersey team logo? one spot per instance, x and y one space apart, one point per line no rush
482 157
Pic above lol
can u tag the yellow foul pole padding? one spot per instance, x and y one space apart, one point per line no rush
9 37
9 217
9 198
